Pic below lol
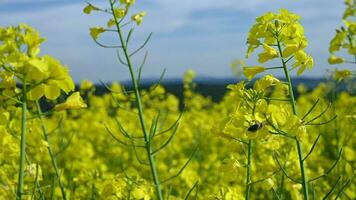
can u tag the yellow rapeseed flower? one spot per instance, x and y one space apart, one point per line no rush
294 45
268 54
110 23
251 72
335 60
119 12
265 82
32 39
96 31
86 85
89 8
303 60
74 101
138 17
54 79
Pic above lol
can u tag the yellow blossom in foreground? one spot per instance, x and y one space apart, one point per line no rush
268 54
251 72
282 119
54 79
74 101
86 84
335 60
294 45
303 60
265 82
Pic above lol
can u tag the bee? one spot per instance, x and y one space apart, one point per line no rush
255 127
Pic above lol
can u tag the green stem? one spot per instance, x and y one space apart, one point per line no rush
148 147
50 151
293 104
289 81
248 171
280 67
22 143
302 170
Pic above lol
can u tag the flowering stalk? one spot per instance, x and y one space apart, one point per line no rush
293 104
50 151
147 138
37 75
248 171
23 142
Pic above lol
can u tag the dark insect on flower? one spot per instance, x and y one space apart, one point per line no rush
255 127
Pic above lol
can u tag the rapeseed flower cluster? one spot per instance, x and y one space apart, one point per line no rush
21 62
279 35
344 40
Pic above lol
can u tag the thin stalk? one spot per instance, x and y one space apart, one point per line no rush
302 170
248 171
289 81
280 67
50 151
293 104
22 143
35 184
148 148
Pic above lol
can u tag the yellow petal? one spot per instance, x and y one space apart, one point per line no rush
96 31
138 17
335 60
89 8
36 92
52 91
74 101
251 72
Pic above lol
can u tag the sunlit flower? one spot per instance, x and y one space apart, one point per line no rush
86 85
54 80
251 72
303 60
268 54
265 82
74 101
282 119
294 45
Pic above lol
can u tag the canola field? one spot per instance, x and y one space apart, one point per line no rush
258 142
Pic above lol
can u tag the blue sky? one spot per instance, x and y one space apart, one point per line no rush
204 35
